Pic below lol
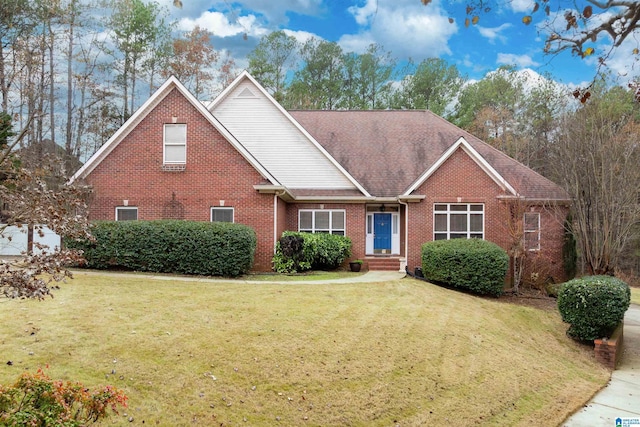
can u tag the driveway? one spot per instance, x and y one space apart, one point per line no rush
621 397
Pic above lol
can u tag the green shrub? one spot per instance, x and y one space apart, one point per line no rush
472 264
297 252
593 305
171 246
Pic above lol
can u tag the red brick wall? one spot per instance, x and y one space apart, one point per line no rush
355 217
546 264
461 180
215 171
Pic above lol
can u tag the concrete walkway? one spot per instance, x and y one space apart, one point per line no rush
369 276
621 397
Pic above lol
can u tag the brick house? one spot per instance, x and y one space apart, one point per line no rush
390 180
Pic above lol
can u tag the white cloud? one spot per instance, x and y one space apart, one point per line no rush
403 27
521 5
301 36
363 15
521 61
219 24
493 34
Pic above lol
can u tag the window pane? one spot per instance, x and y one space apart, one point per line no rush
175 133
458 222
126 214
337 220
322 220
338 233
369 224
458 208
175 153
532 221
222 214
306 220
532 241
458 236
440 222
440 236
476 208
440 207
476 222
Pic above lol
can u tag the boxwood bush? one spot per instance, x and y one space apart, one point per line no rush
297 252
593 306
476 265
171 246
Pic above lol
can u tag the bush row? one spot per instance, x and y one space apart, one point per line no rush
593 305
476 265
297 252
171 246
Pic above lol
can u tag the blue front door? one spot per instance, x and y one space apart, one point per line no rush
382 232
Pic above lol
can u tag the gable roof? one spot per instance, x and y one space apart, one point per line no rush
391 152
284 147
171 84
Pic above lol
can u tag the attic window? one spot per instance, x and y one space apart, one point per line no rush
246 93
175 144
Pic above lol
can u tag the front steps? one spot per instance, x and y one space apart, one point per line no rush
380 263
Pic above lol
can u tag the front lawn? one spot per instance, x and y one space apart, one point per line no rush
363 354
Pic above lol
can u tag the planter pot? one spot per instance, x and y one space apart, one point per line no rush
355 266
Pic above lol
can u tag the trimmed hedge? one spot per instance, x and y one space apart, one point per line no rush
171 246
476 265
297 252
593 306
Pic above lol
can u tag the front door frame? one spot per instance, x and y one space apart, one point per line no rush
394 247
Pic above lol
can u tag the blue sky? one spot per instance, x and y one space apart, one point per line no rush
406 28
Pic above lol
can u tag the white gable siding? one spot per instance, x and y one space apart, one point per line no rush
276 143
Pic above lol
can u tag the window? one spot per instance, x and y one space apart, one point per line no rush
220 214
322 221
126 214
532 231
458 221
175 143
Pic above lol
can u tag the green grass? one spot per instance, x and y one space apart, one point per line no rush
364 354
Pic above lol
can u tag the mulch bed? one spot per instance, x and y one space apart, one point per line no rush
530 297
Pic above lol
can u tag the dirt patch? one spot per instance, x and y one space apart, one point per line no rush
532 298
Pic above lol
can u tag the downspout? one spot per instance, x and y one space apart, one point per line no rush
275 217
406 232
275 220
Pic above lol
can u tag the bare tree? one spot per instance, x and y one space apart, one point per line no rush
596 159
33 199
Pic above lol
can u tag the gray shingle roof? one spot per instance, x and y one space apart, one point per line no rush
388 150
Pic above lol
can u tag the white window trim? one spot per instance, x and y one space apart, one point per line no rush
118 208
531 231
331 230
173 144
468 212
214 208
